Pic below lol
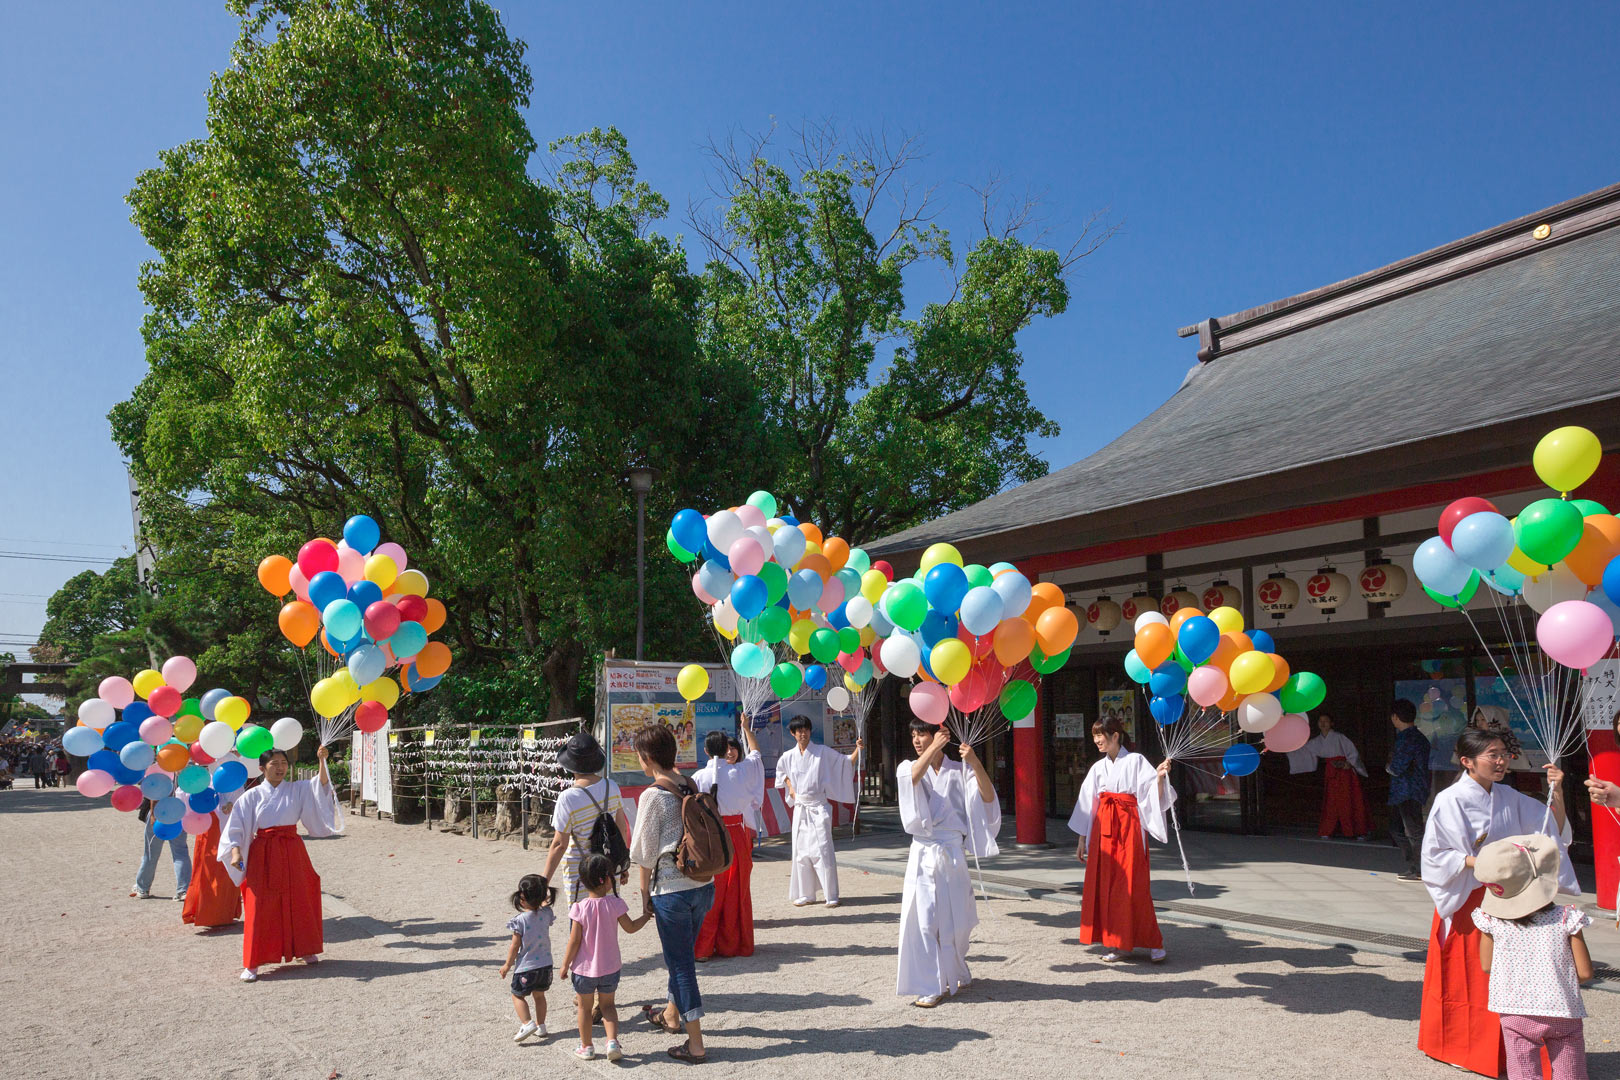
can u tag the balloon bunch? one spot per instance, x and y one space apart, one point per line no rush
1559 558
372 615
1226 674
143 739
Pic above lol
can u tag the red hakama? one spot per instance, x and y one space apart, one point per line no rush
281 900
728 929
1117 909
1343 807
212 898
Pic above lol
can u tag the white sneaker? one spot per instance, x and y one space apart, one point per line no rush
585 1053
928 1002
614 1050
540 1031
179 898
832 903
141 894
524 1032
250 974
1112 957
801 903
1157 956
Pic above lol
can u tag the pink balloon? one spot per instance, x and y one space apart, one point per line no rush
1289 734
351 564
1207 685
1575 633
116 691
179 672
746 556
126 798
751 516
299 583
196 824
832 594
701 594
155 730
393 551
930 702
94 783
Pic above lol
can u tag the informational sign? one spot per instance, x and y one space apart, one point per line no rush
369 767
1117 705
528 736
1069 725
1601 693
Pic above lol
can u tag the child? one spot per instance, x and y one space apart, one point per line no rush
530 952
593 952
1540 953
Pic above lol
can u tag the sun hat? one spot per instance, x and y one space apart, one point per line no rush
1520 875
582 755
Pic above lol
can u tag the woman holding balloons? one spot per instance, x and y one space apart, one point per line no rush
264 854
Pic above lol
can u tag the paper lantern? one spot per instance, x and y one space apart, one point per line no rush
1222 594
1381 584
1104 615
1136 604
1178 598
1326 589
1277 595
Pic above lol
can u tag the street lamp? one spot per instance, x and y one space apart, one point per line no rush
641 481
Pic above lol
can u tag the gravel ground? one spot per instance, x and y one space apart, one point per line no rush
99 985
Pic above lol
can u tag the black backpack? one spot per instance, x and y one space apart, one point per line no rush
606 839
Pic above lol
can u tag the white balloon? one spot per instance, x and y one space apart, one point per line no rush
838 699
901 656
724 529
95 713
217 739
858 611
1148 618
766 544
1259 713
1553 587
252 767
725 616
286 732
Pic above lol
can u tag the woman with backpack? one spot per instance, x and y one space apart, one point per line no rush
577 819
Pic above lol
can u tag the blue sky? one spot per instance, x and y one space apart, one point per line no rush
1249 152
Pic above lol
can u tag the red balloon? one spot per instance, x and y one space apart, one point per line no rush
370 716
411 608
199 755
317 556
382 619
1451 515
980 647
165 701
882 566
126 798
850 662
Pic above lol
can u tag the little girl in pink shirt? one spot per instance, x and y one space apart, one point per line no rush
593 952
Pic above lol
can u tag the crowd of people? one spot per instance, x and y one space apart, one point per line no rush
40 760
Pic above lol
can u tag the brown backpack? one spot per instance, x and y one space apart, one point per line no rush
705 848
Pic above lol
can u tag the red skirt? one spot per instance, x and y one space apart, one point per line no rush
281 899
1117 909
728 929
1343 807
212 899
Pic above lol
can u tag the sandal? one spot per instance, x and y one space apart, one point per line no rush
655 1017
683 1052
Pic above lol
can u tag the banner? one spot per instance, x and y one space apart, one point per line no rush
369 769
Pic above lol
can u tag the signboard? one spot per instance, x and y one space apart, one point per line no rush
1601 694
369 766
1118 705
1070 725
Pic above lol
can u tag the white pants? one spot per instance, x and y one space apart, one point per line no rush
937 917
813 858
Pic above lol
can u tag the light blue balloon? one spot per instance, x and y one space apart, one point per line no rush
367 663
1014 590
408 640
210 701
1137 670
157 786
81 741
342 620
750 661
361 533
715 579
863 674
228 776
789 544
804 589
1508 581
1438 567
168 811
1483 541
996 568
881 624
982 610
851 579
137 755
192 779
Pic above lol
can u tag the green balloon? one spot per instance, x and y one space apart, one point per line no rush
824 645
1548 529
1588 507
253 740
786 679
1048 664
675 549
908 605
191 707
1303 692
1137 670
978 575
1181 659
773 624
858 560
849 639
1461 598
1017 700
776 581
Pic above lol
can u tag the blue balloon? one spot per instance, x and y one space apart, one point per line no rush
1508 581
1167 710
946 585
210 701
1483 541
136 711
749 595
936 628
982 609
715 579
789 519
119 734
205 801
367 663
364 594
838 618
805 588
81 741
1438 567
137 755
881 625
342 620
421 685
361 533
1240 760
156 786
228 776
1262 641
166 830
1198 638
716 556
863 674
1137 670
1167 679
408 640
1611 580
691 531
815 676
327 587
105 760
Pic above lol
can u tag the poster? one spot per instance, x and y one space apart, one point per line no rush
1118 705
1601 694
1442 711
1070 725
631 716
1506 699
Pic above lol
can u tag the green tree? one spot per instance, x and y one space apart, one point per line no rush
88 606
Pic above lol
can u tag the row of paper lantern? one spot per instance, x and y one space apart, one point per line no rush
1379 583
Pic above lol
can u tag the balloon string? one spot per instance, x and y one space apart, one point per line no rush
1175 827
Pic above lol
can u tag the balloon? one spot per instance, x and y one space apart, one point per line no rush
384 690
1461 598
1017 700
937 627
370 716
200 756
1044 664
126 798
1182 614
1207 686
676 550
815 677
1262 641
938 554
1229 620
907 605
1240 760
1014 590
787 679
1451 515
858 610
901 655
179 672
1198 638
1567 457
723 528
381 620
116 691
204 801
155 786
299 583
165 701
363 593
342 620
1439 568
1042 595
929 703
832 595
408 640
192 779
1154 644
298 621
774 624
836 549
136 755
146 682
1167 710
950 661
1611 589
273 570
120 734
689 530
367 663
804 589
81 741
217 739
750 661
286 733
381 570
945 585
1575 633
194 824
433 660
1303 692
234 711
1280 679
155 730
254 740
1599 545
228 776
1148 618
749 596
361 533
1554 586
1251 672
1483 540
1258 713
1137 670
746 556
328 698
209 702
982 610
1167 679
97 712
317 557
1547 530
824 645
1056 630
94 783
1288 734
838 699
790 545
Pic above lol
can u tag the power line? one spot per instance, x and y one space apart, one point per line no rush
61 543
34 556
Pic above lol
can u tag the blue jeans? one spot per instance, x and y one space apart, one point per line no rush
149 860
680 916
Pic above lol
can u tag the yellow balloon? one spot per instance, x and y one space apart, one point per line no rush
188 727
940 553
146 682
872 585
729 633
233 711
1567 457
1251 672
383 690
799 635
345 682
692 682
381 571
327 698
412 583
868 635
812 548
1229 619
951 661
850 684
1524 564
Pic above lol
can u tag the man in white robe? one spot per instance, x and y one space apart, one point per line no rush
814 776
952 813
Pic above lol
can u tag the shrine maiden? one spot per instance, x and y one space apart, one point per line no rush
213 899
1456 1025
1344 807
263 853
1123 800
738 783
952 813
814 776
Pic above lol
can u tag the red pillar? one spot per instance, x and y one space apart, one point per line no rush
1029 775
1605 827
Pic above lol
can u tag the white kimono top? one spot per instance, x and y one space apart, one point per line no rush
945 808
1464 818
291 802
1127 774
1322 748
820 775
739 788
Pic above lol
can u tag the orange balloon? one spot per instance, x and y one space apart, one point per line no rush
434 659
1282 674
1181 616
1229 702
435 615
273 571
818 563
837 552
173 758
1600 543
327 645
1014 638
1154 644
1230 648
1056 630
811 532
299 621
1042 595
